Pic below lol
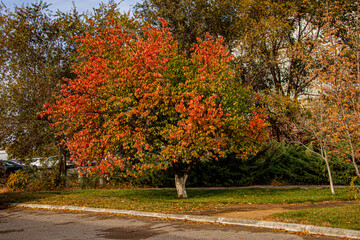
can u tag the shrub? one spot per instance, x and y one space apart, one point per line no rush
277 163
31 179
18 181
44 180
287 164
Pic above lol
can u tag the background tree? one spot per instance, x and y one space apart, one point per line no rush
138 104
314 128
332 111
192 19
336 68
276 36
33 62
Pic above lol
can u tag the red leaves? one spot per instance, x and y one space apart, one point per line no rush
136 101
256 123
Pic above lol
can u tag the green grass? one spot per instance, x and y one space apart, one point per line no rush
337 217
202 201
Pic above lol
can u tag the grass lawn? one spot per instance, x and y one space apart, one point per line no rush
199 201
338 217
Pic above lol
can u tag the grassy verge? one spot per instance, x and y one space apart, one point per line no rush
202 201
337 217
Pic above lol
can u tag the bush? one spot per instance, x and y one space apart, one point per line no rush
18 181
287 164
277 163
44 180
32 179
342 171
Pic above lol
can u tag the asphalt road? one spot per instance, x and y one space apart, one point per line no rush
21 224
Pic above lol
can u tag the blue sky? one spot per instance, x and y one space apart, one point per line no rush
66 5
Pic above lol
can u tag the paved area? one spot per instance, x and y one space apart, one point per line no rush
291 227
21 224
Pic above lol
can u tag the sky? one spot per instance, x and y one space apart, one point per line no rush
66 5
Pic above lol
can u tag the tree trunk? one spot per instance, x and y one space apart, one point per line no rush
180 182
353 158
61 167
101 181
325 157
330 178
181 176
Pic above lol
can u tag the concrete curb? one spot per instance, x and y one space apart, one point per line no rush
292 227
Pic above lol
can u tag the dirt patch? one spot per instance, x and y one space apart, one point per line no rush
253 215
262 211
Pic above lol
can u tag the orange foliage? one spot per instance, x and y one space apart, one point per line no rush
137 103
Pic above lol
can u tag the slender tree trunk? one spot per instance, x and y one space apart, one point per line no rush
101 181
80 176
323 146
330 177
325 157
353 158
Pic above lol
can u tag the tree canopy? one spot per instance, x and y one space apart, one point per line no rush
33 61
137 100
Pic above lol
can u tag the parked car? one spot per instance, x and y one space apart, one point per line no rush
8 167
45 163
36 162
19 163
50 162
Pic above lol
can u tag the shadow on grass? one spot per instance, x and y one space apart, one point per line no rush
20 197
7 198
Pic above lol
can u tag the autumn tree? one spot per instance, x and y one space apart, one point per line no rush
32 62
336 68
269 54
332 111
138 104
313 127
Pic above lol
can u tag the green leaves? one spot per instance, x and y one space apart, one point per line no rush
137 103
32 64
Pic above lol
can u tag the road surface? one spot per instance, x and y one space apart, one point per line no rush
23 224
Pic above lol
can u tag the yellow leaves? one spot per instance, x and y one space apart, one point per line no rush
212 128
131 108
